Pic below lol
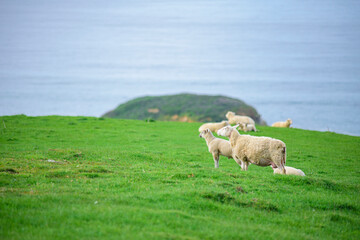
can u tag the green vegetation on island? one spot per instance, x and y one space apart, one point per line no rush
184 108
99 178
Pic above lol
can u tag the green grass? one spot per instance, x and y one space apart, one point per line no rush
128 179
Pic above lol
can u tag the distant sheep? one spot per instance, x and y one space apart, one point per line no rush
236 119
213 126
247 127
285 124
217 146
290 171
261 151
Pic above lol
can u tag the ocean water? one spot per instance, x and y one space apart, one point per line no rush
287 58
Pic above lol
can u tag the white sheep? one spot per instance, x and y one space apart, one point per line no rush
290 171
236 119
247 127
285 124
213 126
261 151
216 146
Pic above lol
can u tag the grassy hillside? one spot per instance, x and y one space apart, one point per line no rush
128 179
184 108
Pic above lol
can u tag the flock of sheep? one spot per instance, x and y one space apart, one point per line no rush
246 149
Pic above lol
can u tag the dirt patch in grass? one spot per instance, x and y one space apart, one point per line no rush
235 175
65 154
240 189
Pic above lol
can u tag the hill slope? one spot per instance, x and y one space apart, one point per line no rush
183 107
128 179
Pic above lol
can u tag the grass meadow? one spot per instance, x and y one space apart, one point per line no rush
130 179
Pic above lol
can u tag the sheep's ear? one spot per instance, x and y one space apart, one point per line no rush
236 126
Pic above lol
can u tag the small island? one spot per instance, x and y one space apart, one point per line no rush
184 108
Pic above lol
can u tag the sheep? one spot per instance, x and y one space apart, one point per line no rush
285 124
247 127
290 171
217 146
213 126
261 151
236 119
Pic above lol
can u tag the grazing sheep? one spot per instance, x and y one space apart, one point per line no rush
261 151
285 124
236 119
217 146
290 171
213 126
247 127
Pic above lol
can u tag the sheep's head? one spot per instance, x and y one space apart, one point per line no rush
226 131
289 121
225 123
204 133
229 114
242 126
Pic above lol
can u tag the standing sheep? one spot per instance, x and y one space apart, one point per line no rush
261 151
217 146
290 171
236 119
213 126
247 127
285 124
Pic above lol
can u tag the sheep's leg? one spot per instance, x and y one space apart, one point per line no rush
238 161
280 166
279 160
245 161
216 159
282 169
242 162
216 163
246 165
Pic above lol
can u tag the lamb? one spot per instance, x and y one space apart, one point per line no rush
236 119
213 126
285 124
217 146
247 127
290 171
261 151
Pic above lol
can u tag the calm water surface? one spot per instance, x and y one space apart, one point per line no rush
288 59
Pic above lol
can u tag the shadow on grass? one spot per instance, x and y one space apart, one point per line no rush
226 198
9 170
315 182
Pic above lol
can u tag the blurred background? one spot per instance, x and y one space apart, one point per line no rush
287 58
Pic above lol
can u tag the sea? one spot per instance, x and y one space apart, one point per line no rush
287 58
